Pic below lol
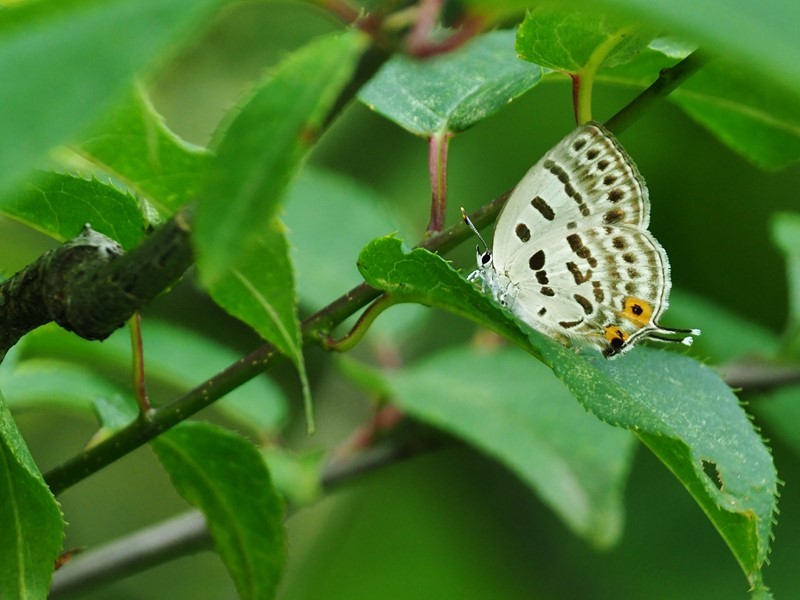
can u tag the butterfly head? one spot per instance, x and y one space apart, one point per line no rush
483 258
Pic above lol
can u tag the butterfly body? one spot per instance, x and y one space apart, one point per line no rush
572 256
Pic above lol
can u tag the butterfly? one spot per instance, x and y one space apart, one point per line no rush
572 256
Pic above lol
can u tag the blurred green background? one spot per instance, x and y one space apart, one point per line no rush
453 524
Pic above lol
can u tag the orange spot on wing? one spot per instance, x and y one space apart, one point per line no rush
614 335
637 311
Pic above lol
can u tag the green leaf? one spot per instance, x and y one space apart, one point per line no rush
176 358
566 40
296 476
114 411
224 476
692 421
514 409
679 408
262 147
259 289
52 383
785 229
739 105
62 63
30 518
135 146
60 205
422 277
762 35
746 111
453 91
363 376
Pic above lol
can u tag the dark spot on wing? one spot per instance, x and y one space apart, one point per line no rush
536 261
577 275
543 207
570 324
597 290
584 302
615 215
615 195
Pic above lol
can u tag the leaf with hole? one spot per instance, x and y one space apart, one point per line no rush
678 407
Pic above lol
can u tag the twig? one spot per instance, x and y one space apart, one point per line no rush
188 534
88 286
754 376
139 376
356 333
149 547
668 79
437 172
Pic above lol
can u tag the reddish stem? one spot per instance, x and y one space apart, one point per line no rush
139 381
420 36
437 170
464 31
368 434
576 88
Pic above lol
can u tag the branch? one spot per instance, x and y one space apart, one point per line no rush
149 547
755 376
188 533
668 79
89 286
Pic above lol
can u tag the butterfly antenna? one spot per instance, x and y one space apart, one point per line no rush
474 230
686 341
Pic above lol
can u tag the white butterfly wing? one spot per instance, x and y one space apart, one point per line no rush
594 279
572 242
586 179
